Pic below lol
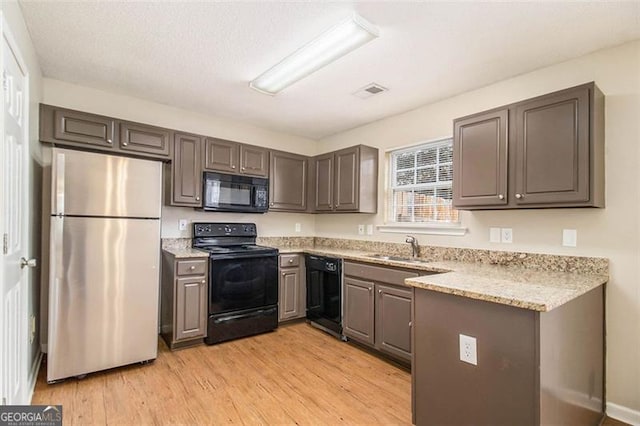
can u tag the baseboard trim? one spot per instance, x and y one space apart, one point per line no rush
33 376
623 414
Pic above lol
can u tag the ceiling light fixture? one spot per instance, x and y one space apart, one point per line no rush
331 45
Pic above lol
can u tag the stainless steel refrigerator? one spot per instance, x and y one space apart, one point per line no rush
104 256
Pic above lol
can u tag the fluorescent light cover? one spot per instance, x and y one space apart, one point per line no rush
331 45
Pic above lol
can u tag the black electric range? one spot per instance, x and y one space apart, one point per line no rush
243 281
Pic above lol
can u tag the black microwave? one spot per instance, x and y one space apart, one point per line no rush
222 192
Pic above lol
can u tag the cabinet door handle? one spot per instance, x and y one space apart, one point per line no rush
203 281
197 198
271 204
410 324
283 274
233 167
243 169
518 196
380 292
109 141
370 289
125 143
501 197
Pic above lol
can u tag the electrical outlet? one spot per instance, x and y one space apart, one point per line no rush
569 237
298 227
182 224
507 235
468 349
494 235
360 229
369 229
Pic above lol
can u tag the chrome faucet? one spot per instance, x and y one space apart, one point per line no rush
414 245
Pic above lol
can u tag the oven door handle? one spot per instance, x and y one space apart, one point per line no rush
234 256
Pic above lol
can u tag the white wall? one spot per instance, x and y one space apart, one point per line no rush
13 16
613 232
68 95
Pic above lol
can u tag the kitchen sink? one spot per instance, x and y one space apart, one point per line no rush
396 258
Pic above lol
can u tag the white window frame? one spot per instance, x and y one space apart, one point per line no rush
435 227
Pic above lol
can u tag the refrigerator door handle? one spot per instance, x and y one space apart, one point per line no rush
58 184
55 268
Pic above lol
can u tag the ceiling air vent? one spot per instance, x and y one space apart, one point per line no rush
369 90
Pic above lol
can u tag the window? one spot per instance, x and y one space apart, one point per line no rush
421 184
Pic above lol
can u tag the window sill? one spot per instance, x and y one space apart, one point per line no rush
420 228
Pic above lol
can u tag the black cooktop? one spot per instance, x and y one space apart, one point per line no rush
229 239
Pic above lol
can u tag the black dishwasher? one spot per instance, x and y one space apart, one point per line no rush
324 293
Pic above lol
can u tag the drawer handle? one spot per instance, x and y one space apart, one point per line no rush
290 260
192 267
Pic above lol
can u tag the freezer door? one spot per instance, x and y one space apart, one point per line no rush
88 184
103 298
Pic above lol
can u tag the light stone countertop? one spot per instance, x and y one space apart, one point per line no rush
508 285
515 286
186 252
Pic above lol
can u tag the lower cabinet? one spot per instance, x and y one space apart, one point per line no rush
183 320
292 289
377 308
532 368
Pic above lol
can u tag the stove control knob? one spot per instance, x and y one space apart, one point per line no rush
227 229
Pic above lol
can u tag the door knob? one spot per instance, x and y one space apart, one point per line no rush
31 263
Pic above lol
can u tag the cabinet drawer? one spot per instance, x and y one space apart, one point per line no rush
289 260
192 267
377 273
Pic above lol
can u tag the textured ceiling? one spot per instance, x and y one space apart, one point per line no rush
200 56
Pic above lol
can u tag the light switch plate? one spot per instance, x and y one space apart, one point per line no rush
494 235
569 237
360 229
506 235
298 227
182 224
369 229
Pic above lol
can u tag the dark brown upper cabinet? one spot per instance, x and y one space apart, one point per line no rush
346 180
186 171
480 159
78 129
232 157
539 153
288 181
67 127
323 179
145 139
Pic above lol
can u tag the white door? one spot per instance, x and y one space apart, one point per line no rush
14 216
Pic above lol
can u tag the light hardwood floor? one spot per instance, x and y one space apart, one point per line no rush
295 375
